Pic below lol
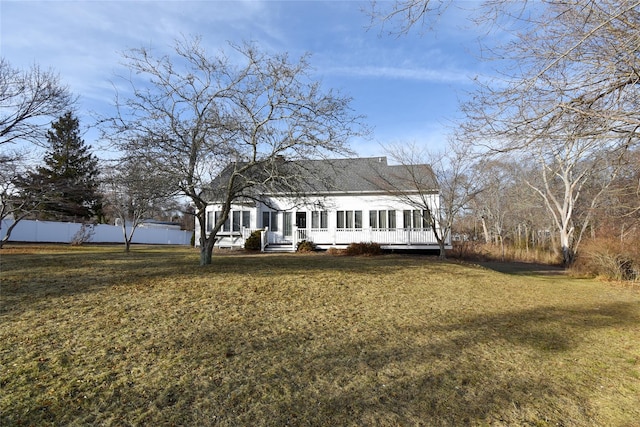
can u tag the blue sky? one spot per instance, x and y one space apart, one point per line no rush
408 87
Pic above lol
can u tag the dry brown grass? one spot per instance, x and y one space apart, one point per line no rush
478 251
91 336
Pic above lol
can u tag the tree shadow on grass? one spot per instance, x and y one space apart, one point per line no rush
524 268
459 378
496 369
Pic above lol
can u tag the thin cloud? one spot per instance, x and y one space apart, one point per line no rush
83 42
417 74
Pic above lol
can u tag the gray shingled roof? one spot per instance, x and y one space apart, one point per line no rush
352 175
368 174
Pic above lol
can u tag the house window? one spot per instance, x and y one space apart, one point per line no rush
273 225
270 219
382 219
319 219
416 219
227 223
236 220
349 219
421 219
426 219
373 219
209 221
288 224
392 218
246 219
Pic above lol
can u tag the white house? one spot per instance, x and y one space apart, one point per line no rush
339 202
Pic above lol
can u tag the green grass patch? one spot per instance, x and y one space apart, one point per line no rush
93 336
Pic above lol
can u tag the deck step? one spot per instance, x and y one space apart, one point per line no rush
275 247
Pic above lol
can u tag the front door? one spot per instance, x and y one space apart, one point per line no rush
301 220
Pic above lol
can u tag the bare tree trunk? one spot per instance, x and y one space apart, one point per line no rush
206 251
128 236
442 254
567 247
552 241
205 256
207 242
6 237
485 231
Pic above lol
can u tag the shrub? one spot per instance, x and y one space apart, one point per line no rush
83 235
363 248
335 251
469 250
254 241
306 246
609 259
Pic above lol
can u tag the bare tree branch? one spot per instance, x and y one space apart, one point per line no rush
29 101
197 116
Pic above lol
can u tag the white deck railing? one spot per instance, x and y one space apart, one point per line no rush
392 236
323 236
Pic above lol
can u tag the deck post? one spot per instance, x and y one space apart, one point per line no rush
264 239
294 238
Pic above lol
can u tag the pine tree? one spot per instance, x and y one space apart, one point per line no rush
68 181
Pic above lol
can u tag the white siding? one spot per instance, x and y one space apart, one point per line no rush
363 203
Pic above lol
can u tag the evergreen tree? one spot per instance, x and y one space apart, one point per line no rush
68 181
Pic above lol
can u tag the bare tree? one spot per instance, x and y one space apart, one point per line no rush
571 108
12 205
20 197
506 208
132 192
461 179
404 15
492 206
29 100
620 211
567 96
577 57
197 116
421 174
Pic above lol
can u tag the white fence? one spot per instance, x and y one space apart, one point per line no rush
64 232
